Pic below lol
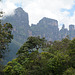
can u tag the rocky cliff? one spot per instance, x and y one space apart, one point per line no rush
20 23
47 28
21 28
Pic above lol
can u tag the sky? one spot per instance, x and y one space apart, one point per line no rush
61 10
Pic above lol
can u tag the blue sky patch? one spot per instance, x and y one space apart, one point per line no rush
69 10
19 5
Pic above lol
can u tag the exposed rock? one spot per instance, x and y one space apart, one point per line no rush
47 28
63 32
21 28
20 23
71 31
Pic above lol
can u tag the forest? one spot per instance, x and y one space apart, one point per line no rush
37 56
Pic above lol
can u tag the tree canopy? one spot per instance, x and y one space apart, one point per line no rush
56 59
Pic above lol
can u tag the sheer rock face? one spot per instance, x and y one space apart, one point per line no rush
21 28
48 21
20 23
64 32
71 31
21 16
47 28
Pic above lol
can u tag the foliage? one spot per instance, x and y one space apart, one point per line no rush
31 44
14 68
56 59
5 37
60 45
69 71
58 64
72 52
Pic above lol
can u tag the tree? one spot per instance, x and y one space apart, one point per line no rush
60 45
5 37
59 63
69 71
28 58
14 68
32 43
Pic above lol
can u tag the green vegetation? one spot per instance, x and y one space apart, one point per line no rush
56 58
5 37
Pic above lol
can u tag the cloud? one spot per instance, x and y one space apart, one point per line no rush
49 8
38 9
72 19
7 7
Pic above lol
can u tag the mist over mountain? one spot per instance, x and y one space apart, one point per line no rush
46 27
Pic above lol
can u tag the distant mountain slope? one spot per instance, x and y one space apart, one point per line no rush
13 48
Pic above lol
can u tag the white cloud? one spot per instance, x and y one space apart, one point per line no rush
49 8
72 19
38 9
7 7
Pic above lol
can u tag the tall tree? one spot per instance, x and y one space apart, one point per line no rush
31 44
5 37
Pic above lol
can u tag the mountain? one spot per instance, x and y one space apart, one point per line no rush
21 28
71 31
20 23
64 32
46 27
